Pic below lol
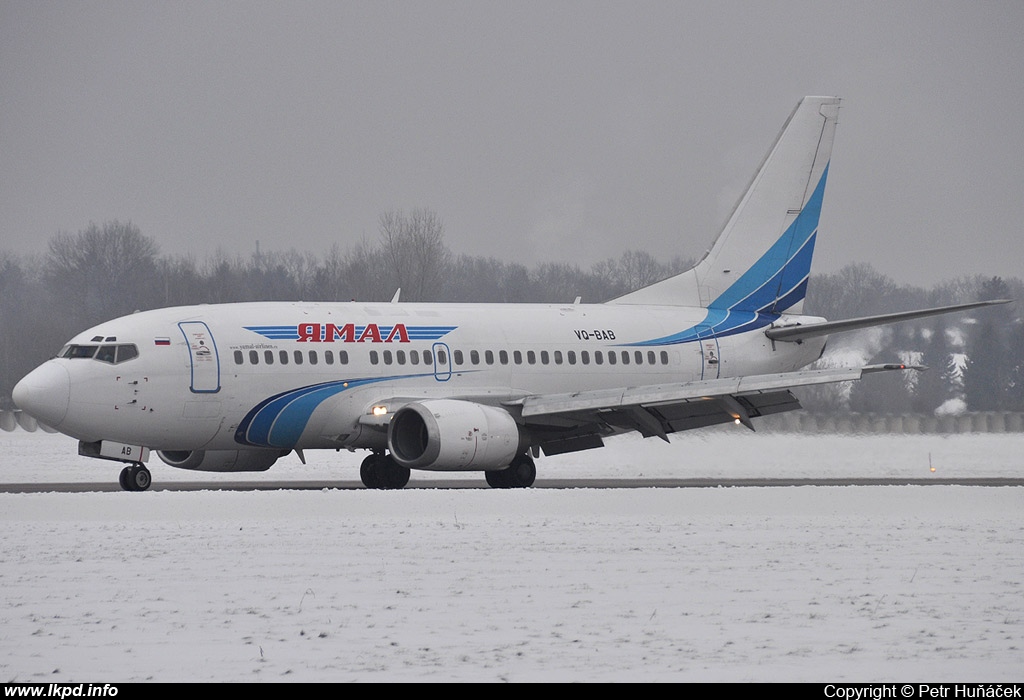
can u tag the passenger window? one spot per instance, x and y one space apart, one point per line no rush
387 357
598 358
474 357
313 359
269 357
343 357
414 357
106 353
239 357
544 357
503 357
284 357
558 357
400 356
517 357
585 357
374 359
489 357
458 357
254 357
664 357
428 359
298 357
571 356
625 357
650 357
638 357
329 357
442 357
531 357
611 357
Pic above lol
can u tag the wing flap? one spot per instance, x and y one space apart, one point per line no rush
577 421
660 395
701 413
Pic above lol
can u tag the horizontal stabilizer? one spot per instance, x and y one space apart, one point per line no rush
800 332
888 367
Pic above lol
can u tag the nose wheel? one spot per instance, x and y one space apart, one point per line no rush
135 478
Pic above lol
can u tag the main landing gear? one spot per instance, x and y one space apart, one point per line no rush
135 477
380 471
518 475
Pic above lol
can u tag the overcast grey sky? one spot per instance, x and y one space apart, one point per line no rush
567 131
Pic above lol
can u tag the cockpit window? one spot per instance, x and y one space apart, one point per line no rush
106 353
76 352
126 352
112 354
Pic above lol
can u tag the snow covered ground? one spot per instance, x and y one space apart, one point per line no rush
747 584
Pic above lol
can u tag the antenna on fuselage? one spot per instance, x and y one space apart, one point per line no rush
398 292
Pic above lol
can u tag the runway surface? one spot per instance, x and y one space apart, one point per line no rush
349 485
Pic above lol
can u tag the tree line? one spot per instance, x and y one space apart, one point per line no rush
112 269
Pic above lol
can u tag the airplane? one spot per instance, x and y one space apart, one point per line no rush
470 387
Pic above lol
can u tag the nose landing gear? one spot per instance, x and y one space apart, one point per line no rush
135 477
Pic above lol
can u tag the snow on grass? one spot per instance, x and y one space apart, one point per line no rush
746 584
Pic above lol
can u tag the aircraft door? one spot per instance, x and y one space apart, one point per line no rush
442 362
203 358
710 353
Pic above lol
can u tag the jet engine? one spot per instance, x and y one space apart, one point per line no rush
452 435
220 460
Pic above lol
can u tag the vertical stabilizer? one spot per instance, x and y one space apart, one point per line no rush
762 258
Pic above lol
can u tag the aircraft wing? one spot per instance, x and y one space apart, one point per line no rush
577 420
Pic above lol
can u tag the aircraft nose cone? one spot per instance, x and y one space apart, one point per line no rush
44 393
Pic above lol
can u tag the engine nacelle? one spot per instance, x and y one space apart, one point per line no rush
220 460
452 435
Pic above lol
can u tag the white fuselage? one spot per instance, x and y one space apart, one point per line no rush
202 372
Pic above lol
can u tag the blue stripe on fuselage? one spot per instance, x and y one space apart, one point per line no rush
280 420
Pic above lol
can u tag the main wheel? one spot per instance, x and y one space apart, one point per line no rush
383 472
497 479
518 475
522 472
369 471
395 475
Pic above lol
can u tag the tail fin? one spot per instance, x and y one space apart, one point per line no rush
762 258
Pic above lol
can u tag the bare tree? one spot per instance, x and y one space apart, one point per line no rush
103 271
415 252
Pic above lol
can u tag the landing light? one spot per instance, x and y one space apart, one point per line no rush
736 421
379 410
